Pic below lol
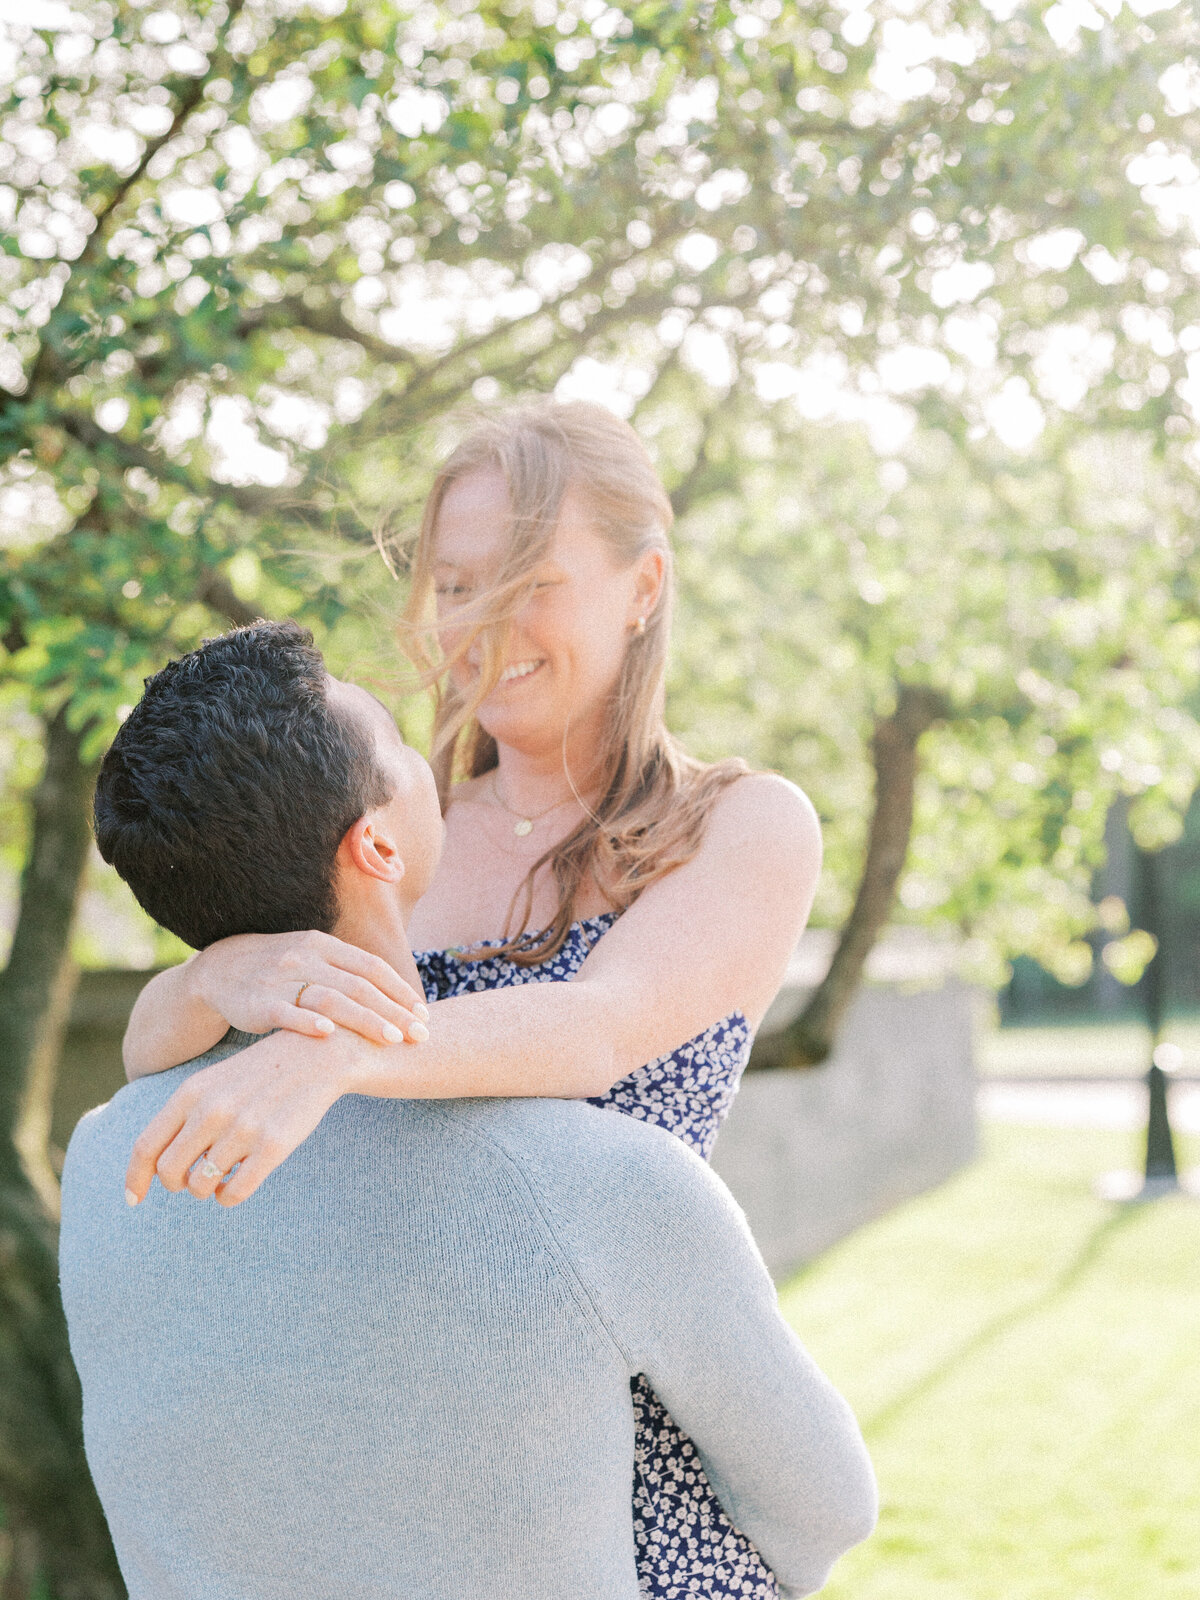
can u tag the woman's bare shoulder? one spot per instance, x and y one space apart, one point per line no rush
769 805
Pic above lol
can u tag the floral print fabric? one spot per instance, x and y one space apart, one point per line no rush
685 1543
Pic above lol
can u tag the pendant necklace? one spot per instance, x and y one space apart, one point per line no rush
524 824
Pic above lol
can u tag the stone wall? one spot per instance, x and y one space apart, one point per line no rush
90 1071
813 1154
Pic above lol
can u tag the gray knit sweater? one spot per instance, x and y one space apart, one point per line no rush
401 1370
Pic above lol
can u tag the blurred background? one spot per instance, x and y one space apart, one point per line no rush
904 298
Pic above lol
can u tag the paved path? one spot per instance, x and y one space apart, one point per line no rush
1082 1104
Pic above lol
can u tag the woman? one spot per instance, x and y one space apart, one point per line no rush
581 844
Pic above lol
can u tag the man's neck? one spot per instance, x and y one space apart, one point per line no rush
379 925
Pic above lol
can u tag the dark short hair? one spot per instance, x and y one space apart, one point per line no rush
228 788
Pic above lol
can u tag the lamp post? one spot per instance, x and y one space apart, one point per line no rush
1160 1172
1161 1175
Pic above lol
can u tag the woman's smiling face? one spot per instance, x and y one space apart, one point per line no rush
567 643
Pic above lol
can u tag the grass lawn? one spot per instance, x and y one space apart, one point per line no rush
1025 1361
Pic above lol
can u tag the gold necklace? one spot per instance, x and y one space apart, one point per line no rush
524 824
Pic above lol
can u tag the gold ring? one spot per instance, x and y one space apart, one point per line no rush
301 990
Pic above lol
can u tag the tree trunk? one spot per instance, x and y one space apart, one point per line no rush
54 1518
37 985
808 1040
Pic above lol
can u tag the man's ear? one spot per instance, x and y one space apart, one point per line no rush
368 847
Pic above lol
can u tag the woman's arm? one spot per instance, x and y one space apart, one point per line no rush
712 937
169 1023
252 982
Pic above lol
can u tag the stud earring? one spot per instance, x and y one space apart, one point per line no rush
640 625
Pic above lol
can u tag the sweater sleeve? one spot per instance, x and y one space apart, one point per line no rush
665 1254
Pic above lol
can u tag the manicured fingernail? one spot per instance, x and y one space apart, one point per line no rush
421 1010
324 1025
418 1032
392 1034
131 1199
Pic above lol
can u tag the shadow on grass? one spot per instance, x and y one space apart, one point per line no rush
1085 1258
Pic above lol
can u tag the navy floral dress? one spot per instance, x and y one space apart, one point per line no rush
685 1543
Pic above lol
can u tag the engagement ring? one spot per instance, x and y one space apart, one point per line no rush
300 991
208 1168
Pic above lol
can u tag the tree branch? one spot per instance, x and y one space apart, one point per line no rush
253 500
216 592
686 491
330 322
86 257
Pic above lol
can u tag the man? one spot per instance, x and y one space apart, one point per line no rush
413 1385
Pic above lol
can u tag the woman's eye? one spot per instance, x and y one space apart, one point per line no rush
450 589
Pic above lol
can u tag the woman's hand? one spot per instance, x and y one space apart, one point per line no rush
249 1111
307 983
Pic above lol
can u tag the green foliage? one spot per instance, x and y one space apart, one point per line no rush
19 762
904 300
1031 594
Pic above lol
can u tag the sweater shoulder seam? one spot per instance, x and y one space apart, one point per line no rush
579 1290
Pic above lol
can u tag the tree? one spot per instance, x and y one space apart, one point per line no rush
997 649
261 250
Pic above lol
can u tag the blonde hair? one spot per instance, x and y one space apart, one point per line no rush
653 798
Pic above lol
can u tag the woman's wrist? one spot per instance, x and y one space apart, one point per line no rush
169 1023
361 1067
193 975
200 1003
348 1063
382 1071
